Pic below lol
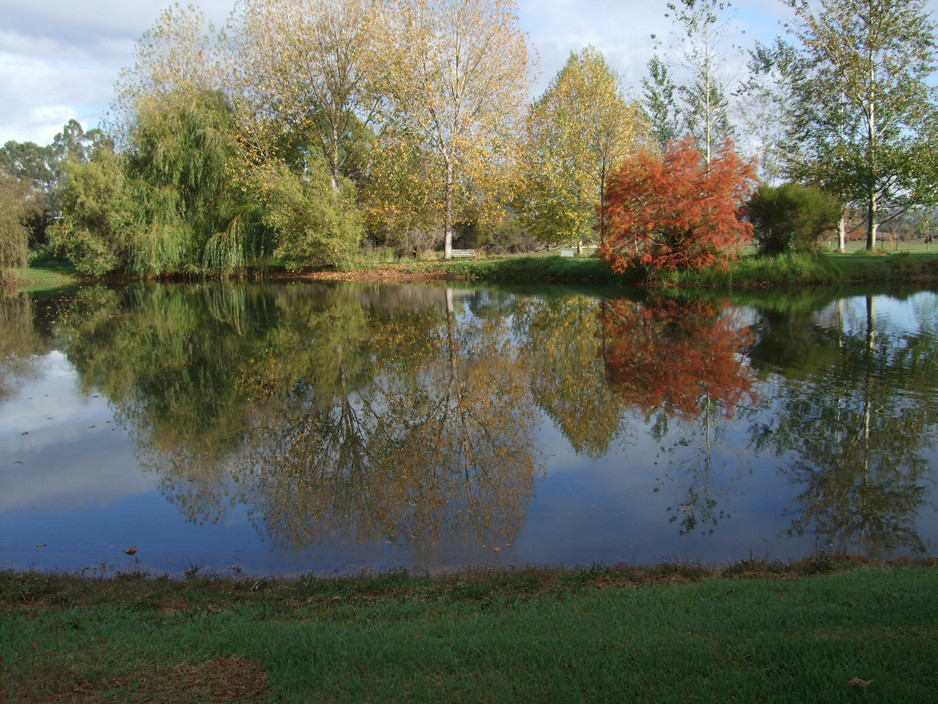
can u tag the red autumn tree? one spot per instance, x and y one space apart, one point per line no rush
673 211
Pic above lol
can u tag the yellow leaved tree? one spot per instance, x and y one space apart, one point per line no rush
300 78
576 133
456 76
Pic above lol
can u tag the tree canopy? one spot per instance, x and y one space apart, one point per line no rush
865 111
578 131
303 130
675 211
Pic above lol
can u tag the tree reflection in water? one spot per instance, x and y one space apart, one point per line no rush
566 373
331 418
436 446
682 360
18 342
855 429
411 414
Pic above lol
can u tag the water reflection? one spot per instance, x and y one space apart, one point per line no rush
18 343
335 415
682 362
430 418
566 371
855 428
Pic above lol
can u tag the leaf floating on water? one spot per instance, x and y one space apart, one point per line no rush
860 684
131 551
41 545
25 433
496 549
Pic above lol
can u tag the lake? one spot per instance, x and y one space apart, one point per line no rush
334 429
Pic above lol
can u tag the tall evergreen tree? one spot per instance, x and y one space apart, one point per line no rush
660 102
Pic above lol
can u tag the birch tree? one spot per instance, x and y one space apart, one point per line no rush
706 42
866 109
456 78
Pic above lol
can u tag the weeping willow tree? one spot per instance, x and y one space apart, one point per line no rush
15 207
170 203
196 217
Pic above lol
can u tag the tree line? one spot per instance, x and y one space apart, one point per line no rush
304 130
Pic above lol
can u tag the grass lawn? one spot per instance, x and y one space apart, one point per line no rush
818 631
45 273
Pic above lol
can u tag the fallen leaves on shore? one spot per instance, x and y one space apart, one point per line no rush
860 684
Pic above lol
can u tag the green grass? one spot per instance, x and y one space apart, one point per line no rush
747 633
754 271
750 272
45 273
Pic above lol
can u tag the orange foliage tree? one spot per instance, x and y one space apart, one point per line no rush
673 211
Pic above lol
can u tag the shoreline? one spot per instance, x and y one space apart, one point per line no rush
749 273
521 579
823 636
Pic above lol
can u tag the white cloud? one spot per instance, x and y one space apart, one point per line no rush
60 58
38 96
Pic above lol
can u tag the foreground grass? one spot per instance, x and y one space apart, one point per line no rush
817 631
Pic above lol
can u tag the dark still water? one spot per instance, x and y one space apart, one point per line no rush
335 429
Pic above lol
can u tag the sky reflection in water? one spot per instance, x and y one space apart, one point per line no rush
336 429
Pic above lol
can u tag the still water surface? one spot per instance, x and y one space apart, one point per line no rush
335 429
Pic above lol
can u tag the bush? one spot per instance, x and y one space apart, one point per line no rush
674 211
791 217
314 225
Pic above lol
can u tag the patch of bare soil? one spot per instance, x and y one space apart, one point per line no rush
388 274
229 680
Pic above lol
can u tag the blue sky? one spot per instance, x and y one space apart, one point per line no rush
59 58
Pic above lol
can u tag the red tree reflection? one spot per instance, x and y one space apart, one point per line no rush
676 355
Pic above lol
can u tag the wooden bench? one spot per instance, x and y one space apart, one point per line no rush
463 253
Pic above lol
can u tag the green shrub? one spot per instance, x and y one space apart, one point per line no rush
791 217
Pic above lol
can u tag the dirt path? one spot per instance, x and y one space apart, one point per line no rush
388 274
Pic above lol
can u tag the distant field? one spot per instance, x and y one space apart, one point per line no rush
892 246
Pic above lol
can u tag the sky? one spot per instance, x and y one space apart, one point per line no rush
59 59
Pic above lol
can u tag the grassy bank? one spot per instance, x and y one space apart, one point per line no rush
751 272
45 273
817 631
